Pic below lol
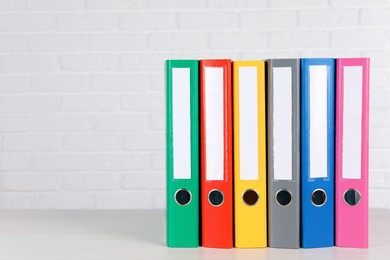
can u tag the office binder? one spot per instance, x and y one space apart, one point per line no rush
283 153
317 152
182 153
250 204
352 109
216 153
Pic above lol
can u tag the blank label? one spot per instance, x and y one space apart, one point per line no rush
282 119
248 109
181 123
352 124
318 82
214 123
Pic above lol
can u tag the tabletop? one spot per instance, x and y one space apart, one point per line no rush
135 234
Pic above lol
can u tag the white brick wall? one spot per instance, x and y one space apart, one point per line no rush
82 113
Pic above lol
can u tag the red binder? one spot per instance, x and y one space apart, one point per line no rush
216 153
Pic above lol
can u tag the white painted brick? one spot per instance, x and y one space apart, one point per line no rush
32 143
379 198
379 159
379 78
232 54
92 142
120 122
99 57
349 3
63 200
147 21
13 43
158 161
237 40
146 61
178 41
144 102
268 54
379 118
14 162
58 83
331 18
380 99
118 42
298 39
237 4
150 141
158 121
159 199
87 22
89 62
12 5
157 80
360 38
29 63
208 20
120 161
329 53
31 182
60 123
14 84
379 138
378 58
115 4
298 3
175 4
59 162
91 182
379 179
15 200
124 200
120 82
27 22
90 103
144 180
14 123
57 42
55 5
268 19
28 104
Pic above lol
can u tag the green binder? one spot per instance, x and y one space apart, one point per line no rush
182 146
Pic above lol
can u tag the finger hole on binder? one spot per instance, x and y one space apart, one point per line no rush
283 197
215 198
183 197
250 197
318 197
352 197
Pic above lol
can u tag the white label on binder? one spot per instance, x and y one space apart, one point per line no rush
318 122
248 117
214 123
181 123
352 123
282 119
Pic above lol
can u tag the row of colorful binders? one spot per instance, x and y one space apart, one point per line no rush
267 153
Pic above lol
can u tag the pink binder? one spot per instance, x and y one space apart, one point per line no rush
352 97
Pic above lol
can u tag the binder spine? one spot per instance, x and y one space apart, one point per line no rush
183 220
216 218
317 218
284 221
352 219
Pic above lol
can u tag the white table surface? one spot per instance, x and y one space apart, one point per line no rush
137 235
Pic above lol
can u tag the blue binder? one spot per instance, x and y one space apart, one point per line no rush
317 152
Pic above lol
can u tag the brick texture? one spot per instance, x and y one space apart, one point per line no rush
82 86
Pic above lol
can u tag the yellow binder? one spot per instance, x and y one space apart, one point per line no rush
249 154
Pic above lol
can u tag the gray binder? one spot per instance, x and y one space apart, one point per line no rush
283 153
